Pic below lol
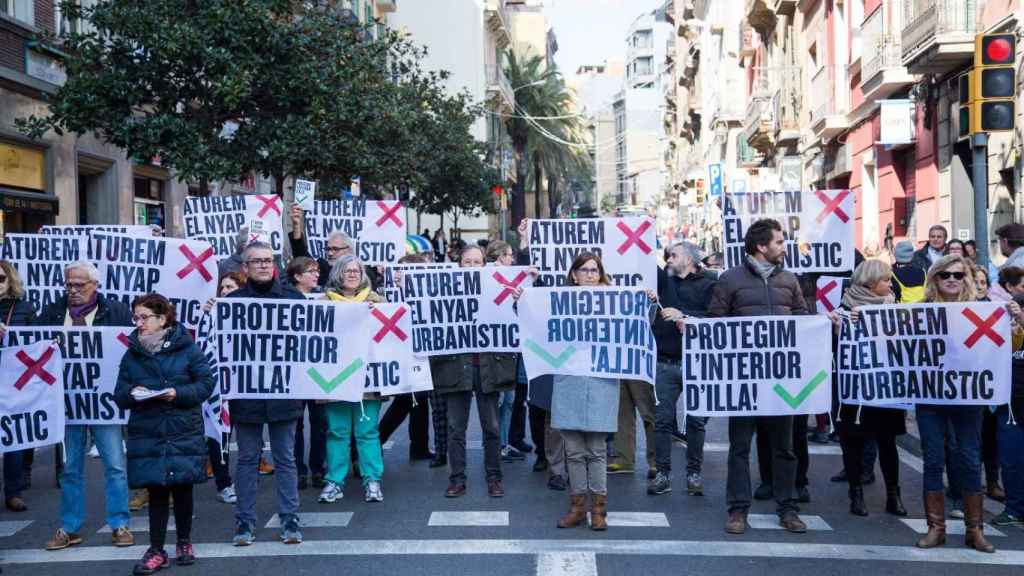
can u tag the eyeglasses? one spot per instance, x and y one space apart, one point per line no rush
353 272
260 262
76 286
953 275
595 271
3 278
333 249
138 318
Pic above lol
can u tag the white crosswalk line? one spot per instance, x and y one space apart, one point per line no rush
917 465
636 520
139 524
954 527
468 519
388 445
814 449
12 527
771 522
567 564
316 520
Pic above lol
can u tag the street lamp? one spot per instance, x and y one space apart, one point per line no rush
534 83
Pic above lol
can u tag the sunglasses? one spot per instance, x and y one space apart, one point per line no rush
953 275
3 278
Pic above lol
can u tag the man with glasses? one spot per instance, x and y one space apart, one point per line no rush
338 244
248 417
83 305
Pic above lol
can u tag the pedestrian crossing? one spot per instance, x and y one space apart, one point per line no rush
11 527
953 527
316 520
139 524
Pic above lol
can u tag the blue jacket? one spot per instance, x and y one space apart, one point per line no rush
165 440
585 404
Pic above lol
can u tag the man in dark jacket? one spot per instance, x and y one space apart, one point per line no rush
1011 439
684 289
933 250
82 305
248 418
760 287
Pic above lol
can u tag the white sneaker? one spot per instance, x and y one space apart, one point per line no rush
227 495
373 492
94 452
330 494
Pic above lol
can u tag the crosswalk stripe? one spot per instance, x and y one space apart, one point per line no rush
12 527
316 520
139 524
487 518
954 527
567 564
814 449
636 520
771 522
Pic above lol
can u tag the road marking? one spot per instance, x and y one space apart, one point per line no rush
771 522
12 527
470 445
468 519
636 520
814 450
917 465
376 547
567 564
316 520
954 527
139 524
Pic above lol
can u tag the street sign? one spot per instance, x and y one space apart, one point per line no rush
715 177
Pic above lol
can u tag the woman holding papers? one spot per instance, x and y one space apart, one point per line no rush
164 379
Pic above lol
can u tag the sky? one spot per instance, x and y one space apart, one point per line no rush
592 31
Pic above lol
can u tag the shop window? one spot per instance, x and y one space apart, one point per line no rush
149 201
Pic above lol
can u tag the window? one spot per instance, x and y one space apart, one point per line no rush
23 10
68 26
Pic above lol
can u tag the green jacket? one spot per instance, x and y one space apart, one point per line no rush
454 373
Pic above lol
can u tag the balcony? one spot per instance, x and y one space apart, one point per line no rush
759 124
787 102
937 35
499 88
882 72
760 15
784 7
387 5
747 156
497 21
829 102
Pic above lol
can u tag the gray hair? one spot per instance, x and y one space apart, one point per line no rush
337 234
257 245
336 279
88 267
690 249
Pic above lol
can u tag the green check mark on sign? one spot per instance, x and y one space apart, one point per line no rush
555 361
329 385
804 392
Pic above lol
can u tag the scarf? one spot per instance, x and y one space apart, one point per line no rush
78 313
858 295
153 342
262 288
360 296
763 269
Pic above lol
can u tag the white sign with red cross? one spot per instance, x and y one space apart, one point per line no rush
219 219
627 247
829 293
377 228
31 396
392 367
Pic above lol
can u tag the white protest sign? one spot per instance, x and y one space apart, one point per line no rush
86 230
216 419
92 360
291 349
40 260
829 293
626 247
305 194
217 220
392 368
757 366
31 397
818 226
602 332
461 310
184 271
926 354
376 227
390 288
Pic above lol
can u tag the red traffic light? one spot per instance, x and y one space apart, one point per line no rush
497 190
998 49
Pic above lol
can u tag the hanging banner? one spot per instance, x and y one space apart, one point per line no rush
292 349
31 397
829 293
926 354
392 367
757 366
86 230
818 226
390 287
602 332
376 227
91 363
462 310
40 260
626 247
184 271
217 220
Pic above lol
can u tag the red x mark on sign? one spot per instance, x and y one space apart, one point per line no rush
832 205
123 339
634 237
510 286
389 325
195 263
389 213
822 295
984 327
269 203
35 368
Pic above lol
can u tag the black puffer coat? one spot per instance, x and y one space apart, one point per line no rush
165 440
18 312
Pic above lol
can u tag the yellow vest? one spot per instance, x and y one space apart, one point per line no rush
909 294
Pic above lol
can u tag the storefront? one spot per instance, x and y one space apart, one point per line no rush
25 203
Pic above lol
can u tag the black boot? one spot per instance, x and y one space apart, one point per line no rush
857 506
893 501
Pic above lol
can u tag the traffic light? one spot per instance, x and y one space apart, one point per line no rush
964 109
992 85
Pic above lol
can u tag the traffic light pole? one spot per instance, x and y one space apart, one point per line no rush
979 142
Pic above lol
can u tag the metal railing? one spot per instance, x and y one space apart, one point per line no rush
496 77
924 20
830 92
882 43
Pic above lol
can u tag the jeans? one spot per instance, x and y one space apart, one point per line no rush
14 473
348 419
109 442
317 441
965 463
458 421
634 396
587 459
159 512
1011 460
250 447
669 386
506 402
779 429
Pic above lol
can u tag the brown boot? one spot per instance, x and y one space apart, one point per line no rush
974 521
599 512
935 513
577 511
995 491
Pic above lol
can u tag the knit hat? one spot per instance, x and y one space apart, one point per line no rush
904 252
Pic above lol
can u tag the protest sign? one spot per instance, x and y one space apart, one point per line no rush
184 271
461 310
31 397
818 226
926 354
91 362
87 229
626 247
217 220
305 194
829 292
392 367
40 260
391 288
757 366
216 419
291 349
602 332
376 227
